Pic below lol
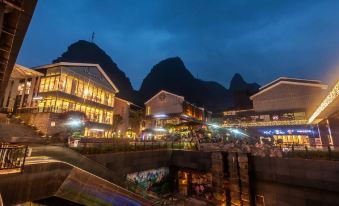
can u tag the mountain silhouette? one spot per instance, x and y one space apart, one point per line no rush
170 74
242 91
87 52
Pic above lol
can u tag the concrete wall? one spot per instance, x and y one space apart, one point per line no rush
35 182
280 181
195 160
296 181
39 181
124 163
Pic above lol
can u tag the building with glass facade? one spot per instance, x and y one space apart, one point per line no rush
74 87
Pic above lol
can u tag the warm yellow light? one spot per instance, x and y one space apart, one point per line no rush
267 123
327 101
86 92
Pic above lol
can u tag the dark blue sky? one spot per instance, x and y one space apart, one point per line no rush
261 40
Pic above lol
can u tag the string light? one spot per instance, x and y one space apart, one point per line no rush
267 123
327 101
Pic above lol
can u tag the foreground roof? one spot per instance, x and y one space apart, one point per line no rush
15 18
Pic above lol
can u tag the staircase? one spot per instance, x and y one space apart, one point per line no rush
13 130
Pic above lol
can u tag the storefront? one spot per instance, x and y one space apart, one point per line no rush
292 139
288 135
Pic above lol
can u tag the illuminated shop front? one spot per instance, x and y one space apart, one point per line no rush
78 87
288 135
292 139
281 112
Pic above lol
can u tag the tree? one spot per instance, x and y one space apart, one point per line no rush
135 117
117 120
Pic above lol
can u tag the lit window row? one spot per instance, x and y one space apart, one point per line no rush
72 85
292 139
60 105
97 133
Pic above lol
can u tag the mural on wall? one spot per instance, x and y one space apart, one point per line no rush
148 178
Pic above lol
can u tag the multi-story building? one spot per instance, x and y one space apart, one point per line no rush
168 108
22 87
281 110
128 118
64 88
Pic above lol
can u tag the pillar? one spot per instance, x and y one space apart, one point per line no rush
23 94
12 94
218 178
333 124
31 92
235 192
244 179
7 93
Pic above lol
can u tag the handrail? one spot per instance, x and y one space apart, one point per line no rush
12 157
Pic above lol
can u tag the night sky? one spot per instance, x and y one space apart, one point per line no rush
261 40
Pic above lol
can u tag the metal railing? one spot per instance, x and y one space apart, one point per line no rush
128 146
12 157
322 152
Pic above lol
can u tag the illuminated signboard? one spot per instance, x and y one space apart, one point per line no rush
287 131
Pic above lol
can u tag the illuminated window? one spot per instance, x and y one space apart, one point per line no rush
28 87
86 91
42 85
68 88
62 82
47 81
58 105
51 83
65 106
20 89
90 92
148 110
80 89
56 83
